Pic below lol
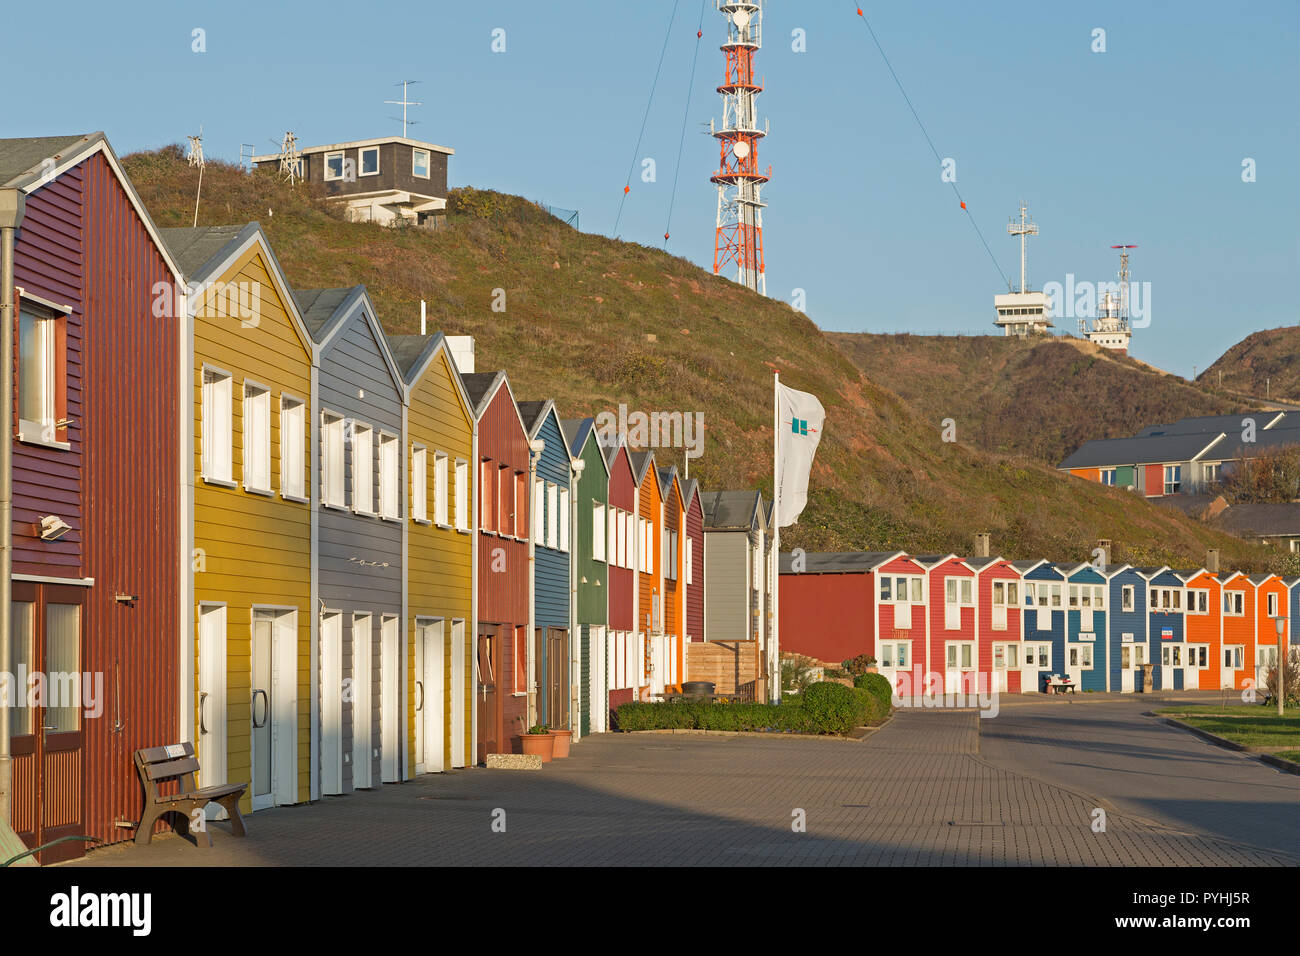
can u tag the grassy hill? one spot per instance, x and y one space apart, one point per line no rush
593 322
1263 364
1038 397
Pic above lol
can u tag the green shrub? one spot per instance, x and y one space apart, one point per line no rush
833 708
878 684
858 665
874 708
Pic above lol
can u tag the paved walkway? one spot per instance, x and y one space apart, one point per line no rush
917 792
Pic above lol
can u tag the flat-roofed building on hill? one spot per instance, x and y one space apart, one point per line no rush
380 180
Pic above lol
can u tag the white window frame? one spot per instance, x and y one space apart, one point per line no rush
363 443
539 511
1127 598
599 526
959 650
343 166
293 448
552 515
1234 603
1173 485
1234 656
1198 601
334 492
1270 605
1080 656
45 330
648 544
441 494
462 495
361 161
690 560
217 469
1107 476
564 519
388 452
419 484
256 401
891 653
428 164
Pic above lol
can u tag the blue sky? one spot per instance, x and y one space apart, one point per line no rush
1143 143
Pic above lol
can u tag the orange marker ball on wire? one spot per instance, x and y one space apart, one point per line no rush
626 190
963 205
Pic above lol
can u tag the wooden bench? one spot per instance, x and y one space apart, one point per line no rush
177 761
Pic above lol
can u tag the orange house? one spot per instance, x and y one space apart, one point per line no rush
1237 652
651 644
673 542
1204 631
1270 603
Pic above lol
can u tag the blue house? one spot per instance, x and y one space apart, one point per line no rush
1166 626
1127 618
1044 623
1087 651
551 534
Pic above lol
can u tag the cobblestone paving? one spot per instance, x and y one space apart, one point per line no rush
916 792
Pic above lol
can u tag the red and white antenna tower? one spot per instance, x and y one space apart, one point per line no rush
739 236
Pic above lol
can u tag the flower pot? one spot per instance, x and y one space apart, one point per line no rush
562 740
543 745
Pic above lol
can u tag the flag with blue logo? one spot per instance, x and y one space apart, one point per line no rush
800 417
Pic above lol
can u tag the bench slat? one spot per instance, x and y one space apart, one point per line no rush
172 768
159 754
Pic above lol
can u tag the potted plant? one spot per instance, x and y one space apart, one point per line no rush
538 741
562 740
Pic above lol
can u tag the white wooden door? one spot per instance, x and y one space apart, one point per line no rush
458 699
429 718
212 728
390 700
331 704
1130 655
598 696
1031 681
362 696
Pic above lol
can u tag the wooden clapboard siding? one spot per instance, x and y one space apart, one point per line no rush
695 590
1208 628
439 560
622 581
253 549
591 489
649 502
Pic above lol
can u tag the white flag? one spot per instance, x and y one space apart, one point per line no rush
798 432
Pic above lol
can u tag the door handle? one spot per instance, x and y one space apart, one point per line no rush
258 725
49 727
420 684
203 724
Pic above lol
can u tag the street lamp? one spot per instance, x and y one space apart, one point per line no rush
1279 688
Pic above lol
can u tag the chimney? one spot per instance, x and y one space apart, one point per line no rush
1103 545
462 350
1212 560
981 544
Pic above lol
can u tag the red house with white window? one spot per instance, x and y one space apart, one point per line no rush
953 647
998 608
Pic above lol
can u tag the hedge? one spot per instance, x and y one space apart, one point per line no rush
877 684
824 708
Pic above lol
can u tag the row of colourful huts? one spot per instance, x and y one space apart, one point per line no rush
329 556
946 624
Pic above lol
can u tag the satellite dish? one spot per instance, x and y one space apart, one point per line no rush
741 150
741 19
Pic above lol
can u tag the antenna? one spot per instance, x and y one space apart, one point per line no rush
249 147
1025 228
1123 280
290 161
404 103
195 158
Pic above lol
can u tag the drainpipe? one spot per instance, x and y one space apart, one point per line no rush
535 448
576 468
12 206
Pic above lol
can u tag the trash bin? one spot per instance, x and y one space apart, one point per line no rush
1148 678
698 688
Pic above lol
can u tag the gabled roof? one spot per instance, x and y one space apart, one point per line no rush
839 562
932 561
1262 519
1024 567
1258 579
641 462
534 415
576 432
979 564
1151 573
415 353
482 387
1109 452
1234 447
1204 424
690 490
731 510
23 165
205 252
326 312
668 478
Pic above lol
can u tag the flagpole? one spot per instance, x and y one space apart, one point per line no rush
775 694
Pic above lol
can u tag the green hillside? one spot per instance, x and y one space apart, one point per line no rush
593 322
1041 397
1262 364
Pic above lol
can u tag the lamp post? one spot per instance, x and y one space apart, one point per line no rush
1280 686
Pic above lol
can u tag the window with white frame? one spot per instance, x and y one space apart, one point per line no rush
1167 600
462 495
1271 603
1198 656
633 556
333 165
38 374
1234 603
961 654
1087 595
368 162
216 430
1173 479
293 454
690 560
1198 601
487 484
672 555
958 591
257 437
1126 594
539 510
441 491
1080 656
552 515
648 546
1108 476
332 441
1233 655
564 519
598 527
521 503
363 469
419 483
389 477
901 589
895 653
611 536
420 163
1006 593
1213 471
